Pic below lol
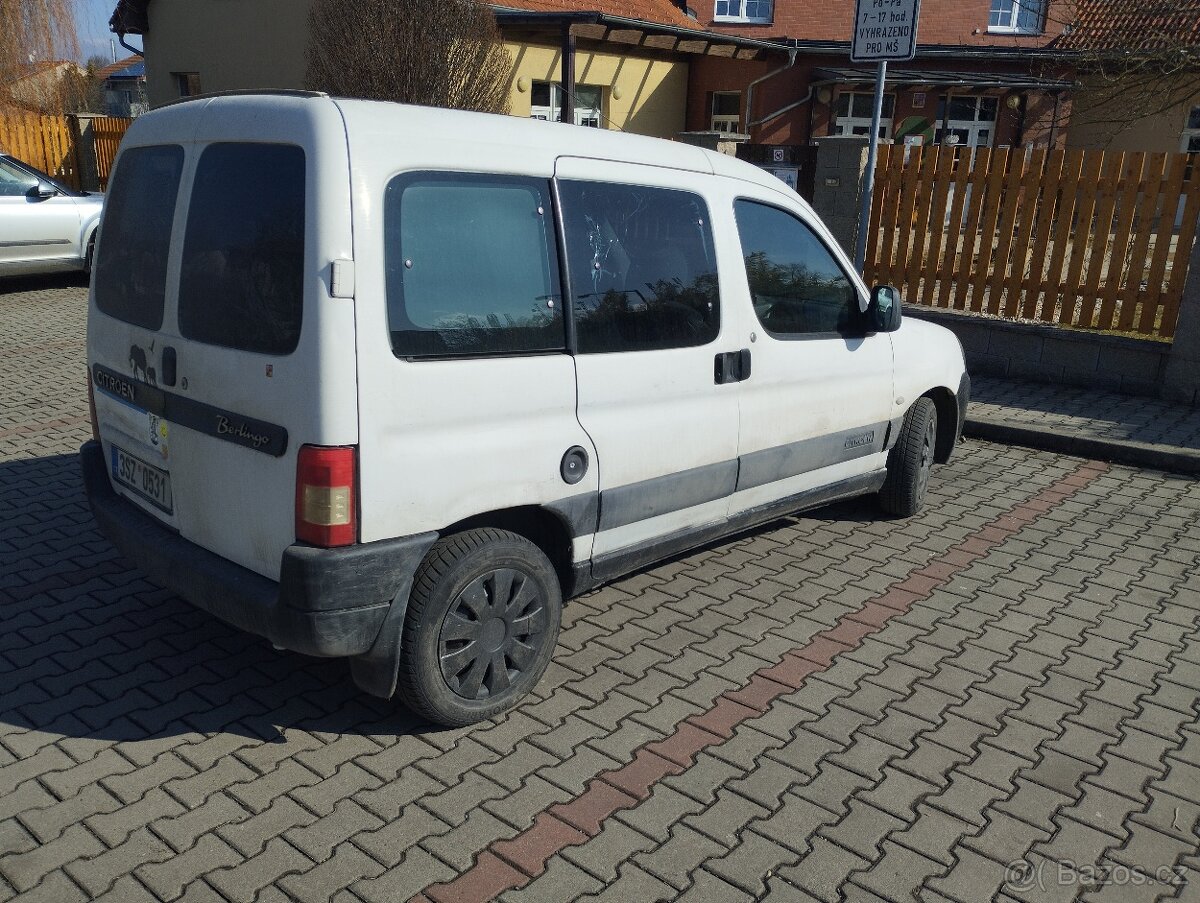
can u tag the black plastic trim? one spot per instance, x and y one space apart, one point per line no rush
635 502
580 513
784 461
616 564
964 400
329 602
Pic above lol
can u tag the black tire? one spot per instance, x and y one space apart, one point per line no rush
910 461
481 626
89 256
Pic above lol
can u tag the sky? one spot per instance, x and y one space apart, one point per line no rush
91 17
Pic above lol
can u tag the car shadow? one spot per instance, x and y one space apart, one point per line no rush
90 648
12 285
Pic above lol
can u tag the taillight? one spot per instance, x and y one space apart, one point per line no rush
92 408
326 496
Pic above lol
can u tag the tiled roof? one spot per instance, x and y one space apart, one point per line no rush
1135 25
119 67
660 12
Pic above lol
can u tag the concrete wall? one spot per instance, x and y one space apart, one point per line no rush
837 192
1049 354
231 45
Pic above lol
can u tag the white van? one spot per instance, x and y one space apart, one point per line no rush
390 383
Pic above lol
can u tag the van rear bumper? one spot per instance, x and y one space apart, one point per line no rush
328 602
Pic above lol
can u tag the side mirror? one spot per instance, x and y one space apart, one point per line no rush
883 311
43 190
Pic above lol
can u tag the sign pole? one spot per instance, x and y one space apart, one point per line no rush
868 187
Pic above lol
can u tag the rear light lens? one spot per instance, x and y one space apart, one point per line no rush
327 495
92 408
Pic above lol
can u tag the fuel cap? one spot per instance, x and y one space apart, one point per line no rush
574 465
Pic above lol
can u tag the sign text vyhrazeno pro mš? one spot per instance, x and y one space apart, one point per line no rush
885 30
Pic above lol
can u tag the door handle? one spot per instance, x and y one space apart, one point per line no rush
169 366
731 367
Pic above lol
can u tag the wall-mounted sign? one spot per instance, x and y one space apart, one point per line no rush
777 155
918 101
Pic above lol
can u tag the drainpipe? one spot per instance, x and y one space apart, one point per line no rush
750 87
797 103
567 111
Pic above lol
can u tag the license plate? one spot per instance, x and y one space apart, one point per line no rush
148 481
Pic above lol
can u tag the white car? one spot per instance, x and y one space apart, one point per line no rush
372 395
45 227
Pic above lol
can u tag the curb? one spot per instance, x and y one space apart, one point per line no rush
1121 451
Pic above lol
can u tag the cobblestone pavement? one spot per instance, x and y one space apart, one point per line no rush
837 706
1082 412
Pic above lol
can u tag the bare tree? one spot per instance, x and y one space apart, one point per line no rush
446 54
34 31
1133 58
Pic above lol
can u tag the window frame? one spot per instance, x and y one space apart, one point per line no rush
187 84
716 120
863 300
554 110
843 125
569 288
555 250
1190 133
1018 8
768 19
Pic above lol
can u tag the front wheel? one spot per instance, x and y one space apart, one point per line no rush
910 461
481 626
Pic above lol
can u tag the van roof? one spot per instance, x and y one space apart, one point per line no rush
372 123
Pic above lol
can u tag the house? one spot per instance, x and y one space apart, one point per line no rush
124 86
1139 80
49 86
626 64
986 73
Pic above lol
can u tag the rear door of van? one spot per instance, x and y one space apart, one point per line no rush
215 348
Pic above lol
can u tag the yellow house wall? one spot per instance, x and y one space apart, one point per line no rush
652 93
236 46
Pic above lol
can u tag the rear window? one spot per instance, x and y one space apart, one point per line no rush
131 268
471 266
242 279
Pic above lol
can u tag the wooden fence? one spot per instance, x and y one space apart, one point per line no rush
46 142
66 147
106 138
1092 239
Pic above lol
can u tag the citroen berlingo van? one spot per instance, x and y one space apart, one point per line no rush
390 383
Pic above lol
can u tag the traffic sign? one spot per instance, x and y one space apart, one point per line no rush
885 30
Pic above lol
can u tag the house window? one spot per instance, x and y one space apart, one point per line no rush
1017 16
187 83
854 113
743 10
726 111
546 104
967 120
1190 143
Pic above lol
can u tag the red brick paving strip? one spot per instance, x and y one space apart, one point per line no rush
509 864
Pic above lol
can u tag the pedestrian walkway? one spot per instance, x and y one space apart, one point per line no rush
1099 424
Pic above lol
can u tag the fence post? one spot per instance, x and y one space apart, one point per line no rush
1182 379
838 178
85 151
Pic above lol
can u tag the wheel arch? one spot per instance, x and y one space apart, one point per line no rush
546 529
946 405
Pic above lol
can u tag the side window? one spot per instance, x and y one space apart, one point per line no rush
471 266
242 281
797 286
642 267
131 269
15 182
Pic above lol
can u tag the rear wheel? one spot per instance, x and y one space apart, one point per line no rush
910 461
480 628
89 256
